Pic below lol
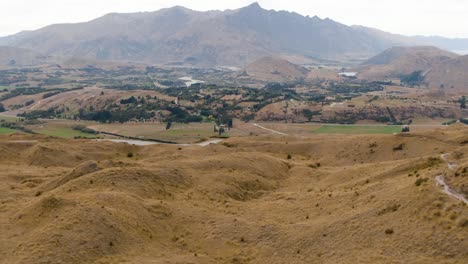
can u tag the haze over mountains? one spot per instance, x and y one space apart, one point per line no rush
234 37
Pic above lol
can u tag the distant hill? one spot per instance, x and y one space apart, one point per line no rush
232 38
275 69
398 61
434 67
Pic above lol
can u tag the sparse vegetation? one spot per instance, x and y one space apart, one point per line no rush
84 129
389 209
420 181
399 147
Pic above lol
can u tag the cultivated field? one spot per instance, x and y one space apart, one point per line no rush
357 129
4 130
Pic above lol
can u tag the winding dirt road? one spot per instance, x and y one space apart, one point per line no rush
441 181
271 130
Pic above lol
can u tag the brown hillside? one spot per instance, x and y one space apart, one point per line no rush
398 61
337 199
450 74
275 69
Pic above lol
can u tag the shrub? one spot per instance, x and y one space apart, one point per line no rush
229 145
289 156
314 166
389 231
389 209
421 181
83 129
399 147
463 223
130 155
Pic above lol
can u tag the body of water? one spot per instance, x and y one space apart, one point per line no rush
189 81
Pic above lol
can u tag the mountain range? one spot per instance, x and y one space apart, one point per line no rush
181 36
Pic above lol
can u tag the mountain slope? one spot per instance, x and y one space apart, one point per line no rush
398 61
450 74
181 36
13 57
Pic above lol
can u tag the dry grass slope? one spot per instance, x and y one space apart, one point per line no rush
323 199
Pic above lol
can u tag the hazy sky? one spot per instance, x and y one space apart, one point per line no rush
410 17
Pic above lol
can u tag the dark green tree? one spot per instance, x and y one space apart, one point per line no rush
463 102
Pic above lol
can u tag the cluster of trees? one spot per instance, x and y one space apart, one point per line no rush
22 91
50 94
414 79
355 88
52 112
131 100
15 126
178 115
463 102
182 116
116 115
309 114
84 129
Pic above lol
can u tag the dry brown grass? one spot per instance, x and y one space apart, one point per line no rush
240 202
